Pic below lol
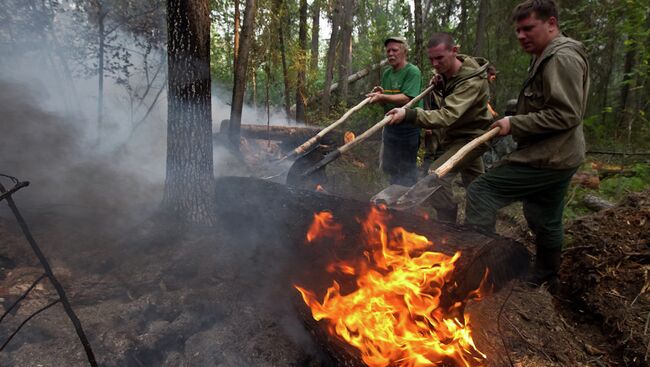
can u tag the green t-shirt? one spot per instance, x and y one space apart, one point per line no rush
407 80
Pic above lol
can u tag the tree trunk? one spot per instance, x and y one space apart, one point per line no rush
606 78
331 54
241 68
419 42
462 25
623 113
281 17
315 28
189 184
302 63
346 49
236 34
448 11
100 72
481 28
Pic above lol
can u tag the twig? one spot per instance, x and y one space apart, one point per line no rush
499 326
63 298
25 322
578 248
22 297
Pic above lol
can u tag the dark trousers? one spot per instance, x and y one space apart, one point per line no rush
399 155
542 192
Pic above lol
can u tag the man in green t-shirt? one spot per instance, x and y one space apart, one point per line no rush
399 84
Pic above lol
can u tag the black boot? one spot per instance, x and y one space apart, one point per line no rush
447 215
545 270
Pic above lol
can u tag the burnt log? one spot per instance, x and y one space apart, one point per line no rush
285 212
279 210
290 136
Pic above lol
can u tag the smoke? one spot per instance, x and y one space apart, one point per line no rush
115 171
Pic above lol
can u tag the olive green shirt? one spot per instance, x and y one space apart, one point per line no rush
550 108
463 113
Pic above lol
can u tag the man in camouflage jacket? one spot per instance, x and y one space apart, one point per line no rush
462 115
550 143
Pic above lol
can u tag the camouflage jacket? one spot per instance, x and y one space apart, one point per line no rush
463 113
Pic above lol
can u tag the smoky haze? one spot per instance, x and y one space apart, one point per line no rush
114 176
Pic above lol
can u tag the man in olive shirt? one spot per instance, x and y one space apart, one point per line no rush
548 129
462 115
399 84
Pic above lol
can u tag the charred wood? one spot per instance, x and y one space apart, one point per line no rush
286 212
292 136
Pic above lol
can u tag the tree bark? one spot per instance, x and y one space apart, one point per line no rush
462 25
315 29
331 54
419 42
189 184
302 63
280 11
630 56
236 34
346 49
481 28
241 68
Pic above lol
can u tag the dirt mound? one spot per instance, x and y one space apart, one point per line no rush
605 276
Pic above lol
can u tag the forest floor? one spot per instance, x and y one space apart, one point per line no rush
152 295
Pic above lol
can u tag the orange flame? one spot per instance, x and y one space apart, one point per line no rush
323 226
348 137
394 316
320 188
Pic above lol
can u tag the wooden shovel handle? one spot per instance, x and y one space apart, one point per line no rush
462 152
378 126
316 138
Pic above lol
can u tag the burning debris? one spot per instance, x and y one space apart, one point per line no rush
395 314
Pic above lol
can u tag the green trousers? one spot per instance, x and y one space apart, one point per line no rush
542 192
469 168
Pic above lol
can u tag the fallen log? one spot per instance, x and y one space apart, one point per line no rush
286 211
290 135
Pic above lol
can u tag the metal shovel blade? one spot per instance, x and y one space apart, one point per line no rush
389 195
403 197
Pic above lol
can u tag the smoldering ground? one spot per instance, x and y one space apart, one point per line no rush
145 291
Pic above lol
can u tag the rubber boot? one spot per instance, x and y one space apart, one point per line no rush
546 268
447 215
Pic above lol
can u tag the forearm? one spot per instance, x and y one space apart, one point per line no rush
396 99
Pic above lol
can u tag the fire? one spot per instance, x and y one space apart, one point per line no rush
395 315
348 137
320 188
323 226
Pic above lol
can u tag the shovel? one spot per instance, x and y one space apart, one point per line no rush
307 147
403 197
332 156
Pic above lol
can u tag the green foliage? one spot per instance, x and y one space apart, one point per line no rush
611 188
618 185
